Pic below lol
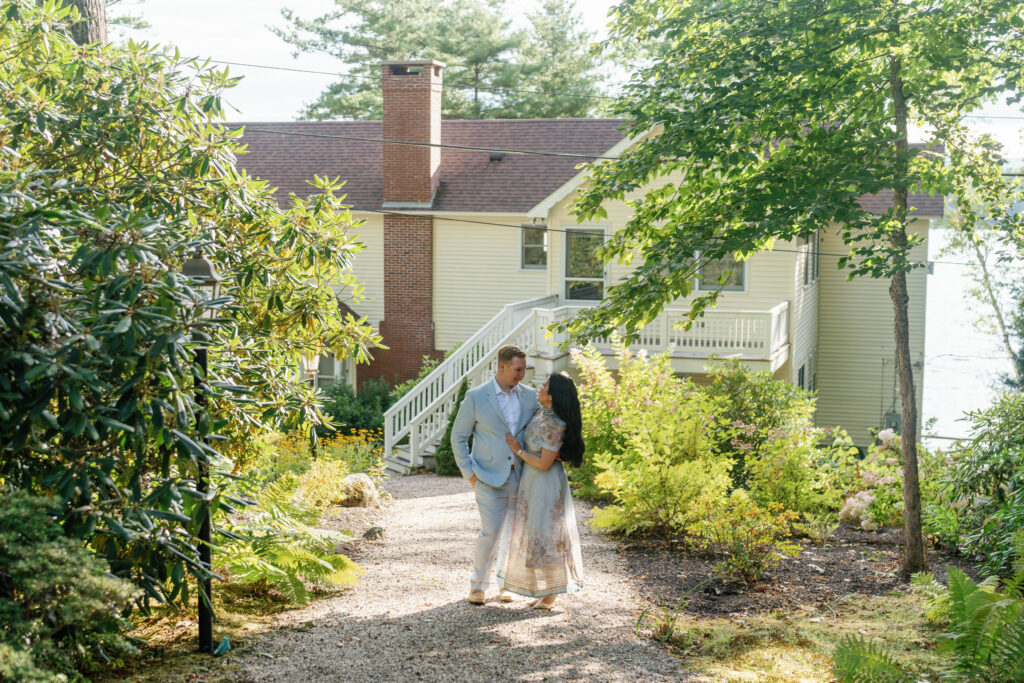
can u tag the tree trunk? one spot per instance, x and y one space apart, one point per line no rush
913 552
93 26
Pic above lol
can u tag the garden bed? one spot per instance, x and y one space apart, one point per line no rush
853 562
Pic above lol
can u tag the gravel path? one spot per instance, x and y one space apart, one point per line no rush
408 619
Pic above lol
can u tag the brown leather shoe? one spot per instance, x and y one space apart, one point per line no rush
476 597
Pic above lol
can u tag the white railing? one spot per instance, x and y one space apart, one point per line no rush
421 415
748 334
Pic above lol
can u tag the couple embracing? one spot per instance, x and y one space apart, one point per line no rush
521 437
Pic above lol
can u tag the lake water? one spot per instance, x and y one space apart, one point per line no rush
962 365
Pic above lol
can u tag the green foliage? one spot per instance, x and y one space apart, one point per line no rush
490 66
444 456
616 406
818 527
761 408
276 544
349 410
113 171
320 485
750 539
859 660
985 483
60 608
653 440
797 472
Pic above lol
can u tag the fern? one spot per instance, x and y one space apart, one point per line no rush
276 543
858 660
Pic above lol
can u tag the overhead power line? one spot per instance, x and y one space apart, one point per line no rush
489 88
527 152
445 84
528 226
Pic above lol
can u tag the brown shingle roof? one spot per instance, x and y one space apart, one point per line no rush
470 181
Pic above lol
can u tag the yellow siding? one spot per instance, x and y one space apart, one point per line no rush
476 272
368 265
856 361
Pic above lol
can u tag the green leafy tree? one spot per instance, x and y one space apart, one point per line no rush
483 54
769 120
112 172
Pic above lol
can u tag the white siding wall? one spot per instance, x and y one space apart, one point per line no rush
476 272
368 266
856 365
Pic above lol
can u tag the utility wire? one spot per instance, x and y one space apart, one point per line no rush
527 226
491 88
528 152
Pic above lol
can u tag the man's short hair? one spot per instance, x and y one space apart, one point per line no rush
507 353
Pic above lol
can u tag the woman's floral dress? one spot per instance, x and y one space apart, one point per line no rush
540 547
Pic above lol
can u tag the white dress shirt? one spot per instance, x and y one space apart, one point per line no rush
509 404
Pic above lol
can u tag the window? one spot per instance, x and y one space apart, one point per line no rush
812 258
535 247
584 270
713 272
800 376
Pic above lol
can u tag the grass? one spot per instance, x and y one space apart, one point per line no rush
797 646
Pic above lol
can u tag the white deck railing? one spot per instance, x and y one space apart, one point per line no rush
752 335
422 414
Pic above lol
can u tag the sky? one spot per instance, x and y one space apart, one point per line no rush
237 31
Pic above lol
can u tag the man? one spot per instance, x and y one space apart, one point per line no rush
487 413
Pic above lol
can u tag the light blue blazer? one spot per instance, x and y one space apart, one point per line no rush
480 416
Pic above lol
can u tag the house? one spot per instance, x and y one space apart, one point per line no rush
470 244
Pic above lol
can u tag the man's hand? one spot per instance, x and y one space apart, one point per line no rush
472 481
512 442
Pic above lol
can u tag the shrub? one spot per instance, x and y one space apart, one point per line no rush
350 410
614 408
444 456
985 480
361 450
750 539
426 367
321 483
668 469
59 606
760 406
801 475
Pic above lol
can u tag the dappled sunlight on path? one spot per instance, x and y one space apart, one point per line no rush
408 620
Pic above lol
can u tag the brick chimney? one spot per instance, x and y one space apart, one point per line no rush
412 112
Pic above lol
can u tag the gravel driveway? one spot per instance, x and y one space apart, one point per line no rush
408 619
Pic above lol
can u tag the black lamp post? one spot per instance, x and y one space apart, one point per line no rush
201 270
309 366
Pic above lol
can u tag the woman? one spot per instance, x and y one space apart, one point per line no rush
540 551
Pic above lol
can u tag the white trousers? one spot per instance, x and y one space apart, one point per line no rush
492 502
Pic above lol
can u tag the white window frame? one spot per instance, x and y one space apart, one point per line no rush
523 228
567 230
725 288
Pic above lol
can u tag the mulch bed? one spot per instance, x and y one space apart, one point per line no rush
852 562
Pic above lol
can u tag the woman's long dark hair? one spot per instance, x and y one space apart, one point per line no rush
565 401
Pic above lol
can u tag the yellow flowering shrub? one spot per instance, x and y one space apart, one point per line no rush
321 484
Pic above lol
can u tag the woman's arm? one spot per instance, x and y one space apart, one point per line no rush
542 461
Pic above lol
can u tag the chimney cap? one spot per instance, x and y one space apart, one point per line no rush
411 62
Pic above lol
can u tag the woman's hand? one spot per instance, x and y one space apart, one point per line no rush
512 442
